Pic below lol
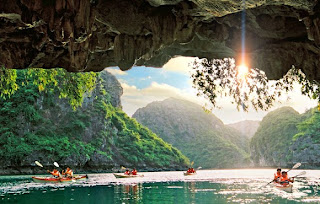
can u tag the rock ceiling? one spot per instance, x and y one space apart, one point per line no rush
89 35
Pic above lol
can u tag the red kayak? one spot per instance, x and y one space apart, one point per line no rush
58 180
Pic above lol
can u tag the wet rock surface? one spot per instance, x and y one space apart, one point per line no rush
91 35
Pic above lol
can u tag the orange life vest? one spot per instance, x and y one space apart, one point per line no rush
285 180
134 172
55 173
276 176
69 172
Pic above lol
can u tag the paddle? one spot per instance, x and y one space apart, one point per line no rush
38 163
199 168
297 165
300 174
56 164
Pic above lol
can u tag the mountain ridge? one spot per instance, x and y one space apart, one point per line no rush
188 127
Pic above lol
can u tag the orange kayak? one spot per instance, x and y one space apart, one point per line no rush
57 180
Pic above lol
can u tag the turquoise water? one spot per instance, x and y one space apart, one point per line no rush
215 186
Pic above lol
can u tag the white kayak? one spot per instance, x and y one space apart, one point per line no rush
127 176
287 188
189 174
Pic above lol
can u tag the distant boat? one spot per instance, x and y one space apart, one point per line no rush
128 176
57 180
189 174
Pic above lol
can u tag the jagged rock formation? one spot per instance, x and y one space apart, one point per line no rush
286 137
201 136
91 35
113 87
270 145
247 127
96 137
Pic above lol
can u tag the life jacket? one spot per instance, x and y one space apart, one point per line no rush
127 172
134 172
284 180
55 173
69 172
277 176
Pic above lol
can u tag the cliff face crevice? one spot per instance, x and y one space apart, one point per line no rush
91 35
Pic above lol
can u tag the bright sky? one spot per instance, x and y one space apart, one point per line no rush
143 85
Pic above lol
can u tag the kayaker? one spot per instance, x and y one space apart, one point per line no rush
55 173
127 172
191 170
285 180
134 171
68 173
277 175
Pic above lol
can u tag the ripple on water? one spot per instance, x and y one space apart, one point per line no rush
304 188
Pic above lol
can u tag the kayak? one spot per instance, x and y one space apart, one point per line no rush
127 176
58 180
286 188
189 174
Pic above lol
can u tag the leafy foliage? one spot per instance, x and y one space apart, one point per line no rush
310 127
71 86
35 122
274 136
221 78
7 82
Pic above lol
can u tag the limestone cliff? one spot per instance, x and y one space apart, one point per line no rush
96 137
247 127
286 137
199 135
94 34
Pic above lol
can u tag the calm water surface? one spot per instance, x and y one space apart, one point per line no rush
208 186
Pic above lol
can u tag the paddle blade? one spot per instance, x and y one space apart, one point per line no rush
199 167
297 165
123 167
192 163
38 163
56 164
301 174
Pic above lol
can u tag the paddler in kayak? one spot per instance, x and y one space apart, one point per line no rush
55 173
127 172
68 173
134 171
191 170
285 180
277 176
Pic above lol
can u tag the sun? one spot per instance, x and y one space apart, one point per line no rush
243 71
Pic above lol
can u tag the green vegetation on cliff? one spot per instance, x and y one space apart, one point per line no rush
40 125
200 136
274 136
285 137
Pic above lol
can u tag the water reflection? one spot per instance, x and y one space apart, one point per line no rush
132 193
160 187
